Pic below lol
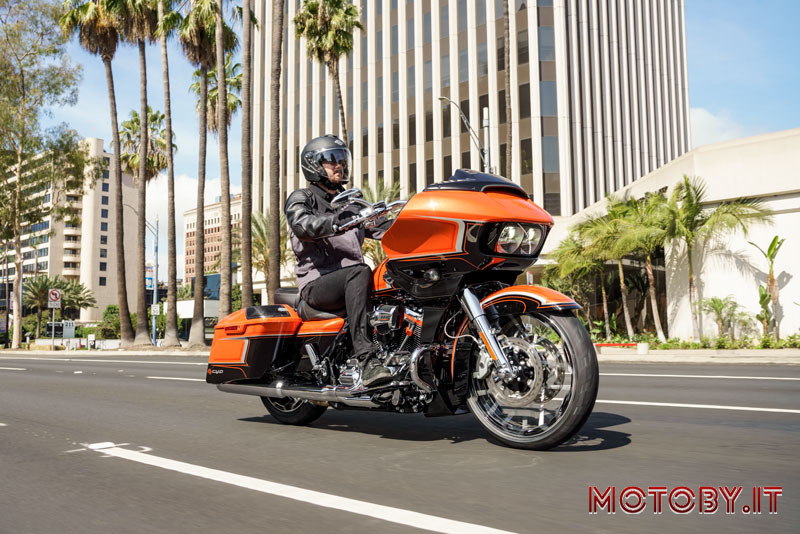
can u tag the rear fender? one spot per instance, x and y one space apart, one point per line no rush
512 299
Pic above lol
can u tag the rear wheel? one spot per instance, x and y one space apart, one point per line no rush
291 411
555 383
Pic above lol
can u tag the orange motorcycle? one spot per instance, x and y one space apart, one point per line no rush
447 321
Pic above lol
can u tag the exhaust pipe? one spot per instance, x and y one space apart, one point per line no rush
277 389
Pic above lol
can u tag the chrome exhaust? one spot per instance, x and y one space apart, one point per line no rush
414 369
277 389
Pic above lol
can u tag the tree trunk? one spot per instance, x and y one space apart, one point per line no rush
17 224
652 289
507 78
197 334
171 326
333 67
624 289
38 322
247 158
692 297
222 131
125 326
274 276
142 334
605 310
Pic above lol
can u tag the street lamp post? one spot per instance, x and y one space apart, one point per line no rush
153 230
483 151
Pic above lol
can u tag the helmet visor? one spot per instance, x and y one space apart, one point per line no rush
331 157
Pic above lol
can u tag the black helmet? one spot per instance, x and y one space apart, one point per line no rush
326 148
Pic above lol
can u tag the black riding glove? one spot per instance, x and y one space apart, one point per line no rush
346 214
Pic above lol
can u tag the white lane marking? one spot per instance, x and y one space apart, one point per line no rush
729 377
92 360
3 424
12 369
326 500
177 378
699 406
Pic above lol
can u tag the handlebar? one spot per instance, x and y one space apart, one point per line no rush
371 213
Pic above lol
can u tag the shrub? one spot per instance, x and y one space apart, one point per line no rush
792 341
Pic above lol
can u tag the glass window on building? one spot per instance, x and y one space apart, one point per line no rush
104 213
446 120
429 172
465 160
104 227
412 178
364 51
428 76
105 174
105 190
501 53
380 91
429 126
501 106
465 110
103 252
526 156
462 16
448 167
522 47
380 138
350 99
103 266
410 33
394 4
363 12
395 175
411 82
364 99
552 193
364 141
104 200
102 280
412 130
396 133
547 92
521 5
322 104
480 8
524 101
379 46
463 65
498 8
483 60
103 239
445 71
395 87
444 22
503 161
547 47
394 40
550 154
426 28
380 7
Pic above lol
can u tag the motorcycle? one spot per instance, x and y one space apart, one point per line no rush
447 321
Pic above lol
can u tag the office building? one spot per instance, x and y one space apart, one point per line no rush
84 251
213 236
599 94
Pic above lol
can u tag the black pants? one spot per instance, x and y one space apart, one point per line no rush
349 288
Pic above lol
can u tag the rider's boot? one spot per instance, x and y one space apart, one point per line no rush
373 372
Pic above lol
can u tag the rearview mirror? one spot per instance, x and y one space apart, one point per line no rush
346 196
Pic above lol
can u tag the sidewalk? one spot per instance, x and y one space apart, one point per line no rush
118 353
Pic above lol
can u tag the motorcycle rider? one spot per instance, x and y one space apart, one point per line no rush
330 266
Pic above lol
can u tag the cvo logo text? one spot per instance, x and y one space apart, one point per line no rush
215 371
682 500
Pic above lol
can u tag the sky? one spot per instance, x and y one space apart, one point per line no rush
743 67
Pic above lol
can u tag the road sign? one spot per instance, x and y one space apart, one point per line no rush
54 298
155 309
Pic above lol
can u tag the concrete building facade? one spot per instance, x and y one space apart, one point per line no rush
85 251
599 94
213 236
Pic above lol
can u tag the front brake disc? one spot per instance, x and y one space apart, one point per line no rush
526 385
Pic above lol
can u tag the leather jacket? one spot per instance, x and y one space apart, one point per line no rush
317 249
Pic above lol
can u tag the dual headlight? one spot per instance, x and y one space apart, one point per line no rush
519 239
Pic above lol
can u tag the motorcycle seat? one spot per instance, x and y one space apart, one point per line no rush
290 296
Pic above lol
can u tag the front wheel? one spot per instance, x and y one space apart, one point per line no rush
555 383
291 411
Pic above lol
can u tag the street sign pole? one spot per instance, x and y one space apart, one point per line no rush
155 283
53 331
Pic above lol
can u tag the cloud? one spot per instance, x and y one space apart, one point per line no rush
709 128
185 199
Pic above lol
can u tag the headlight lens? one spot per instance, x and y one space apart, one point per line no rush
515 238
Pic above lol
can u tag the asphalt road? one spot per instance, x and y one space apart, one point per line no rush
180 444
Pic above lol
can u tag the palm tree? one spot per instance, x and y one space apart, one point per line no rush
222 119
372 248
721 309
34 292
765 317
770 254
156 151
76 296
273 278
233 81
247 157
689 221
602 233
98 27
643 231
197 38
328 27
261 226
165 11
140 20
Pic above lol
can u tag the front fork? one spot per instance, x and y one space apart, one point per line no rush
474 310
